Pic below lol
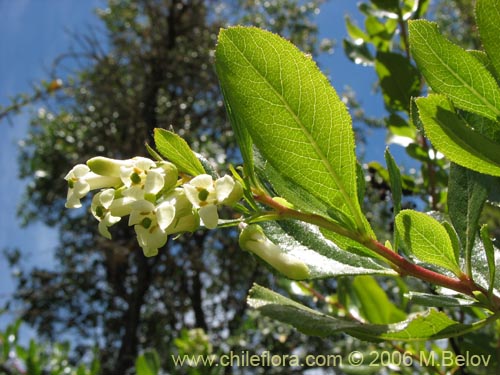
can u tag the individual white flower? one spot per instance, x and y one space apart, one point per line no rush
144 179
205 194
108 210
150 223
81 180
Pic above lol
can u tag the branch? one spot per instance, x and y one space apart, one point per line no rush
464 285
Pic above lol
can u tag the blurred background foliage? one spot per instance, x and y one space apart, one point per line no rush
151 65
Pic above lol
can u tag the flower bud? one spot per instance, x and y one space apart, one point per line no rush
253 239
106 166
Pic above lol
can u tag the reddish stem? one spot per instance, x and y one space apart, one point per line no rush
464 284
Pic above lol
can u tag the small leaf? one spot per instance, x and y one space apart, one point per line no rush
398 79
427 239
467 193
423 326
451 135
487 18
172 147
450 70
375 306
293 115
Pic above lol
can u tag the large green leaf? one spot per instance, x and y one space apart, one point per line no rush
423 326
293 115
175 149
488 22
323 258
451 135
450 70
467 193
426 239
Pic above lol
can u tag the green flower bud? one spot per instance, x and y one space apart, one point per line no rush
106 166
253 239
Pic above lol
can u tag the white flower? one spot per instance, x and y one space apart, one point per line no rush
108 210
150 223
205 194
144 179
81 180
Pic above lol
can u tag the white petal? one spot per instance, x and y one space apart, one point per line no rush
151 238
134 192
103 229
143 163
125 173
204 181
106 197
154 181
192 194
209 216
223 187
121 206
165 214
78 171
140 210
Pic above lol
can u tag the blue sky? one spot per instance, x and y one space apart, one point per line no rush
34 32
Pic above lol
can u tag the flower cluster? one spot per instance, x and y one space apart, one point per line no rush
157 201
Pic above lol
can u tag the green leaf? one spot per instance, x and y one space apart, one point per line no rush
488 22
323 258
467 193
451 135
293 115
450 70
422 326
375 306
398 79
490 257
427 239
172 147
